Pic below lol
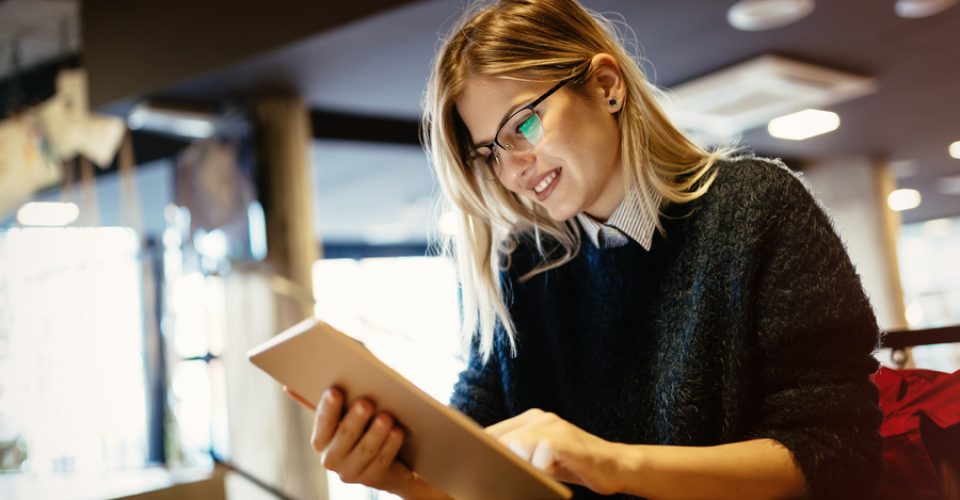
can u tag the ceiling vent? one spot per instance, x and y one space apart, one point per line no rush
726 103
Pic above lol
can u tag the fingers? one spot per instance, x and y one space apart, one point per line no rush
384 464
511 424
543 456
327 418
347 433
528 436
298 398
366 449
360 445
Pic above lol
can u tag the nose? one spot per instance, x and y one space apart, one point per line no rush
517 166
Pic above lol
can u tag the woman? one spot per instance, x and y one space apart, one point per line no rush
646 317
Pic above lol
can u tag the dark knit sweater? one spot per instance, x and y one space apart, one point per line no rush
747 320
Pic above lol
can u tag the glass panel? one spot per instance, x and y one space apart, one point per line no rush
71 359
930 274
190 394
405 310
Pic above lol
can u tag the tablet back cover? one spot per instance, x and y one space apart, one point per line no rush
444 446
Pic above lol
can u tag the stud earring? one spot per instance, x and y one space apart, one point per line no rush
613 102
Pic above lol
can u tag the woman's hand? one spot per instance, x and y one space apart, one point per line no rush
561 449
361 445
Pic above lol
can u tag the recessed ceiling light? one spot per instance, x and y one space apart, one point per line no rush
46 213
921 8
757 15
955 150
184 123
903 199
803 124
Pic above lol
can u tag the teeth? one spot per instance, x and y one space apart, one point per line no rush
545 182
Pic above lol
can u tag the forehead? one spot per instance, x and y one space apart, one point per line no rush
485 101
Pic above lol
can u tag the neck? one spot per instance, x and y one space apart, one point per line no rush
609 199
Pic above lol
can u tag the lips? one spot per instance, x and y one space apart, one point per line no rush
532 183
544 184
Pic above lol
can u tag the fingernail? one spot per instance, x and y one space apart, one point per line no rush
361 407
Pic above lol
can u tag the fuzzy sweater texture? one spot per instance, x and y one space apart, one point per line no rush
745 320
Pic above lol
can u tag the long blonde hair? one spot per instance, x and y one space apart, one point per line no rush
538 40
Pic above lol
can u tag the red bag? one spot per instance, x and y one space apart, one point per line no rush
921 433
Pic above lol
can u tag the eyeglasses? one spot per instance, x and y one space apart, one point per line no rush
519 132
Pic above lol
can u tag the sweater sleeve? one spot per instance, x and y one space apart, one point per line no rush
816 334
478 392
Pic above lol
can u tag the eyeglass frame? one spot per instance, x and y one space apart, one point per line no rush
496 141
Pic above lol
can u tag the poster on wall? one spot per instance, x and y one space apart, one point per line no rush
34 143
27 163
214 183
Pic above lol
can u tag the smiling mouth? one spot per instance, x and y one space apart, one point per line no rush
544 188
545 183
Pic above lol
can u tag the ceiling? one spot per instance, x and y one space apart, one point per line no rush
40 29
377 67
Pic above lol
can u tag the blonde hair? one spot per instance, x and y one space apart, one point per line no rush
538 40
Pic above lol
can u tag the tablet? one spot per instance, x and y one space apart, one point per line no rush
443 445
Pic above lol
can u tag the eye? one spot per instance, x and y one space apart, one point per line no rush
527 126
481 156
531 129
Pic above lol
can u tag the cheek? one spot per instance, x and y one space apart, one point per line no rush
583 131
589 145
512 183
562 144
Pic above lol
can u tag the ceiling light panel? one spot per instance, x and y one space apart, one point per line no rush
912 9
903 199
803 124
42 213
756 15
726 103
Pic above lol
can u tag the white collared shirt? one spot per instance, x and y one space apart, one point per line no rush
629 220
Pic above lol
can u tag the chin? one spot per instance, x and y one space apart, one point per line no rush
560 214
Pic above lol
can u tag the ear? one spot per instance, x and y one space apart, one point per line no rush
608 81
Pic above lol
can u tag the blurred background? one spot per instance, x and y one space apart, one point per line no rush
179 181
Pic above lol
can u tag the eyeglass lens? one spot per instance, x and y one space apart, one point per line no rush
520 134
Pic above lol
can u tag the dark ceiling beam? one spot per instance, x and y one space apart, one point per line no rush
135 48
334 125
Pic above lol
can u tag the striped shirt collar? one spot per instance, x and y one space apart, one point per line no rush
629 220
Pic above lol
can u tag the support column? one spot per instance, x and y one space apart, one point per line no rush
285 182
270 434
854 191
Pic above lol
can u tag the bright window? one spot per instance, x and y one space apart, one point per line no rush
930 273
71 350
405 311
